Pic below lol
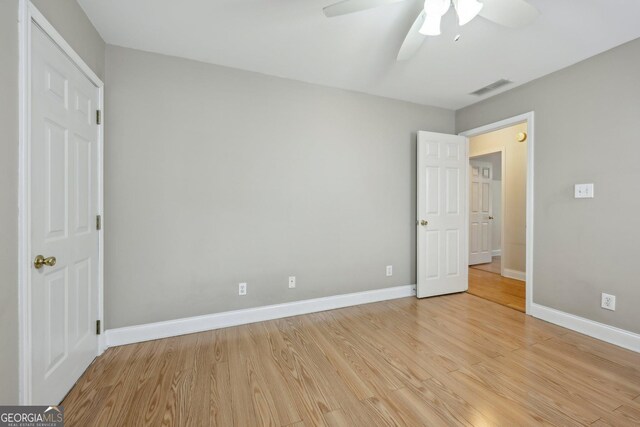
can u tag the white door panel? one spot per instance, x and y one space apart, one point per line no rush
63 189
441 201
480 212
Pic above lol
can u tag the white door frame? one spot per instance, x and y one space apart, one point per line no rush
529 119
28 16
503 165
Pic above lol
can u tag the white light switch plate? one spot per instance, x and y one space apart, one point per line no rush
584 191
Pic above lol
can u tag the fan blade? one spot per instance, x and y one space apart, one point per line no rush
350 6
413 40
510 13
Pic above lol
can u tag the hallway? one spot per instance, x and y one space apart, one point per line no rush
486 282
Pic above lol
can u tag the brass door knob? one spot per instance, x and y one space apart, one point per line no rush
41 261
424 222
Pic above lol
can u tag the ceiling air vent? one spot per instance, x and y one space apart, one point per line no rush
493 86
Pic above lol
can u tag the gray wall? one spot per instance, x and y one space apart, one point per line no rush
585 131
68 18
9 201
217 176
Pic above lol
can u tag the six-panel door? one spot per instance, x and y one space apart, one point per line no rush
480 212
441 202
63 190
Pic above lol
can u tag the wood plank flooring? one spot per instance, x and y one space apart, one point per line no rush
495 266
451 360
497 288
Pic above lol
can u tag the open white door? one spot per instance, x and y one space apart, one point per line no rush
441 220
63 188
480 212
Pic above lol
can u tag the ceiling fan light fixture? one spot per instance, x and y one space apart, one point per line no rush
434 11
431 26
467 10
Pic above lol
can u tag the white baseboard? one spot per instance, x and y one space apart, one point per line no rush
514 274
610 334
102 343
496 252
171 328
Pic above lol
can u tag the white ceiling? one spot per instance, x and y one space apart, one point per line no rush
293 39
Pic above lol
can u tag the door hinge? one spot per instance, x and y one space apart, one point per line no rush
98 329
98 117
98 222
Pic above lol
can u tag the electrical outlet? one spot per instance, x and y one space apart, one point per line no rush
292 282
608 302
242 289
583 191
389 270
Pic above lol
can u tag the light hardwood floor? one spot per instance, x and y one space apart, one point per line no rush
496 288
495 266
452 360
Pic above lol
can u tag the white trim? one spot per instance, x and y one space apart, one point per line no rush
514 274
101 339
42 22
189 325
24 238
529 119
29 14
496 252
492 127
610 334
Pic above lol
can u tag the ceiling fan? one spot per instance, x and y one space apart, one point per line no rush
509 13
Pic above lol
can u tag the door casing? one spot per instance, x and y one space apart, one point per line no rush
29 15
528 118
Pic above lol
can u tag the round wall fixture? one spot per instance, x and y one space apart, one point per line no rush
522 136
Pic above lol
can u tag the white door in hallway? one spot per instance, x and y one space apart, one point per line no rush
63 188
441 217
480 212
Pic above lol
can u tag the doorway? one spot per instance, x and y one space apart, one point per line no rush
500 211
443 216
